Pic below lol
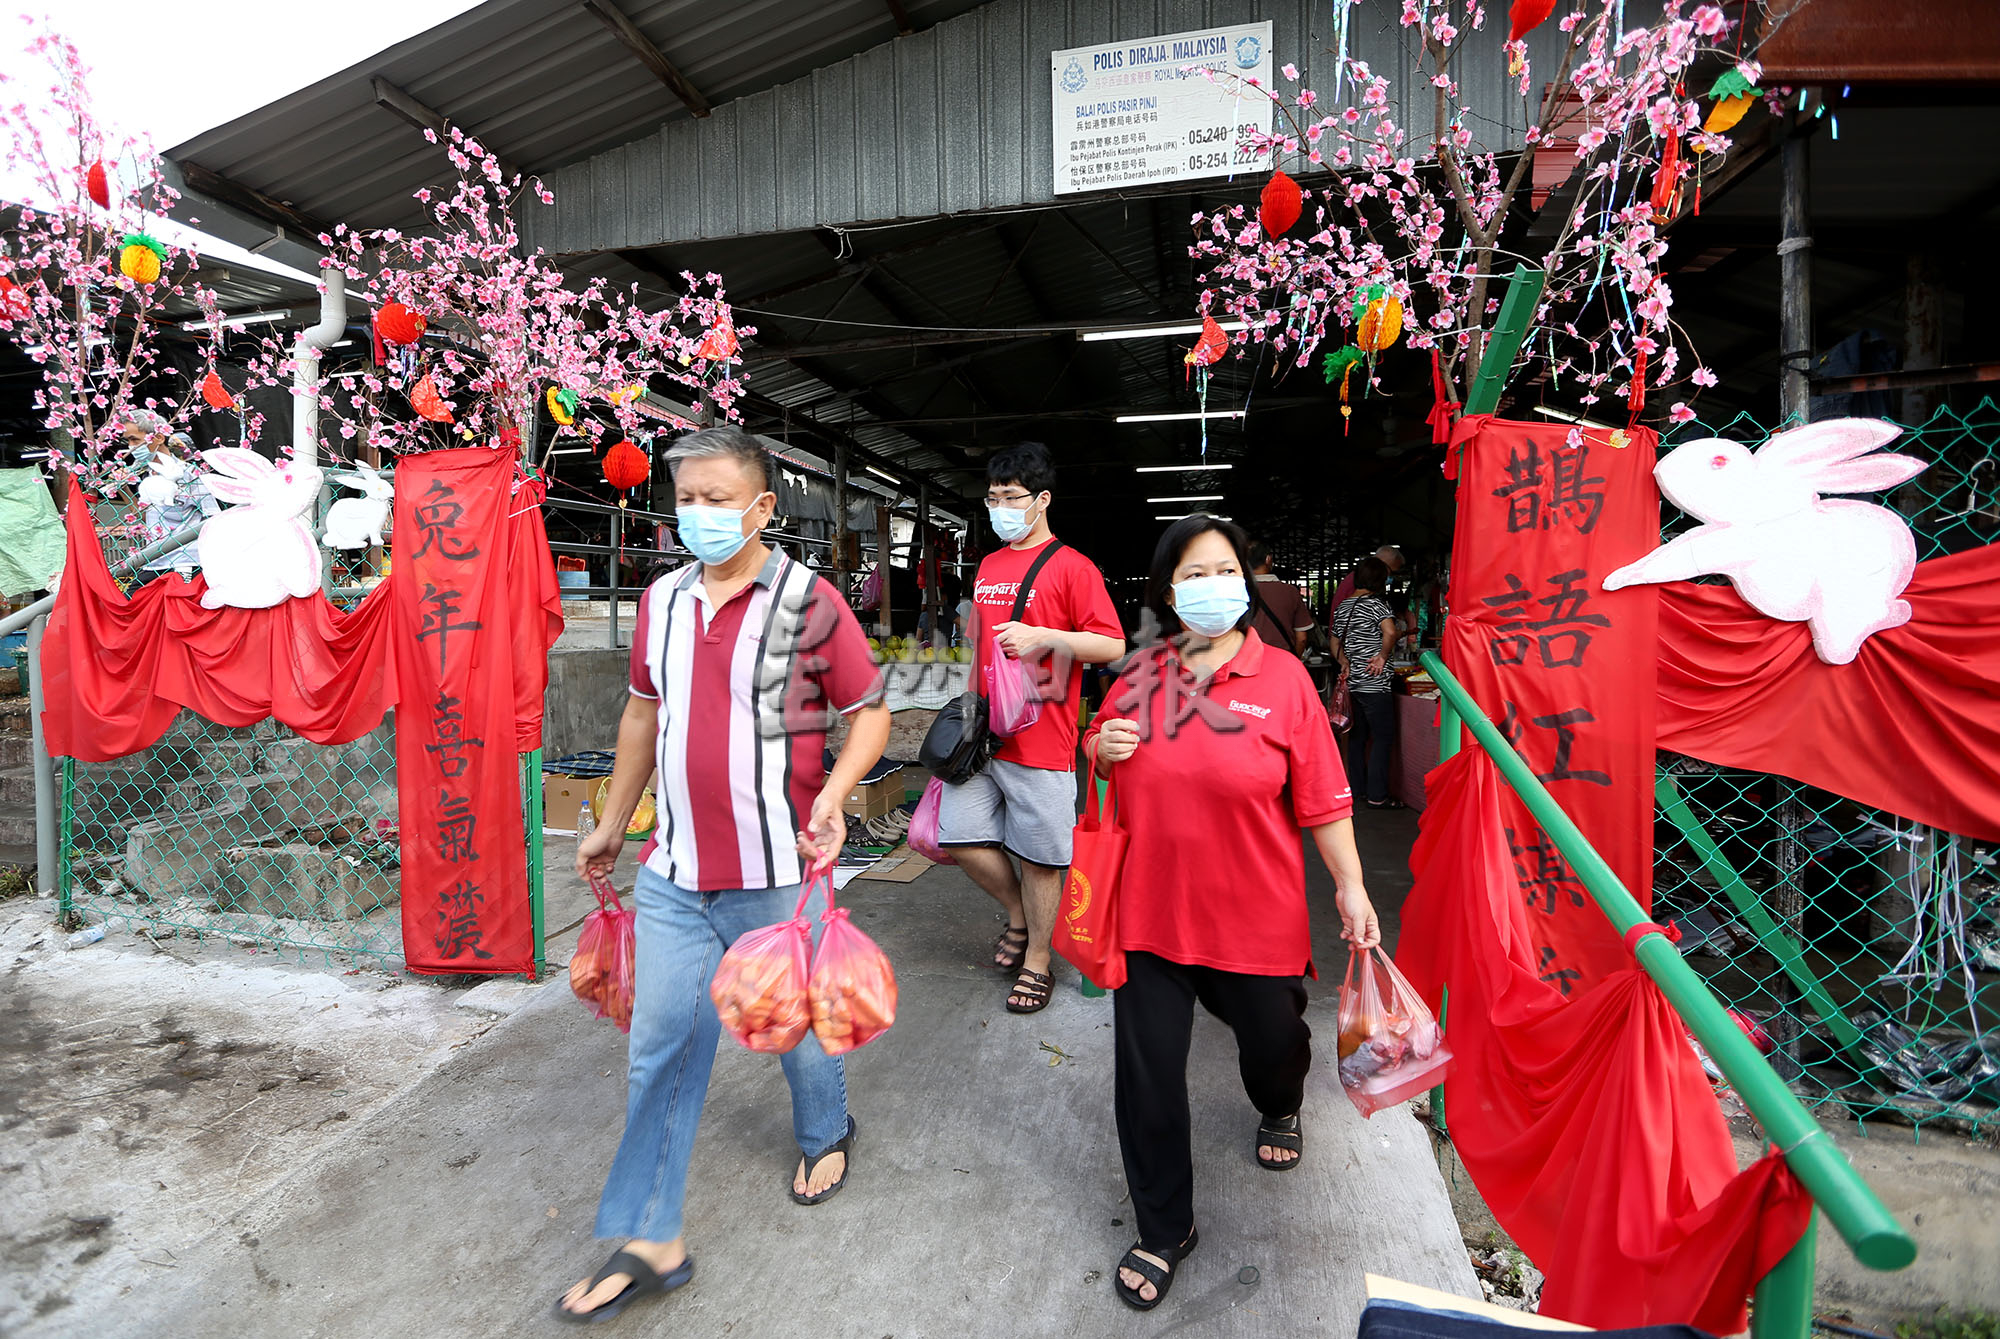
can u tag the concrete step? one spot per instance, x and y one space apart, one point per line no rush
17 825
17 787
16 751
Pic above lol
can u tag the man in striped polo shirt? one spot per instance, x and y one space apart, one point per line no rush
740 662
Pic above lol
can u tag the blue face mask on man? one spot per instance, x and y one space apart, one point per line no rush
1211 606
712 534
1010 523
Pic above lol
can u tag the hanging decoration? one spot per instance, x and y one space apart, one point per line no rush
397 324
1666 181
14 302
625 395
1839 567
562 405
1734 92
719 344
1209 348
424 398
1381 323
140 257
1279 205
626 467
214 394
98 182
1341 364
1524 16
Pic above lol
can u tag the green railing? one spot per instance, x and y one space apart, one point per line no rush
1784 1297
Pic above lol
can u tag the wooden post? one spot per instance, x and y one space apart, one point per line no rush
883 564
927 557
842 574
1795 336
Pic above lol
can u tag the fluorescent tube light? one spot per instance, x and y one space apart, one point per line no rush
1568 417
1192 497
1150 331
247 318
1177 418
571 451
883 474
1178 469
1185 515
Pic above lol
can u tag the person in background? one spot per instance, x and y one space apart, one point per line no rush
1391 559
1219 752
1406 621
1364 633
1022 804
740 662
1279 610
146 436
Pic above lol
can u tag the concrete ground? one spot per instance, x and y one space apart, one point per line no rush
986 1192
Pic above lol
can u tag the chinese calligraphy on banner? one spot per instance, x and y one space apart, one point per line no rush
1545 512
475 615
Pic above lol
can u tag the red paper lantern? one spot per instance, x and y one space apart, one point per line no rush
1279 206
98 183
397 324
428 403
1210 347
214 393
626 466
14 303
720 342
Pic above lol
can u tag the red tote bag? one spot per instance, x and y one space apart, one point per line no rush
1087 925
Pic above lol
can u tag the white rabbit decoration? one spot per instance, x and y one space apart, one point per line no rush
1838 566
160 487
260 551
356 522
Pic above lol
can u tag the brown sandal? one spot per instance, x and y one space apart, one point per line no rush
1013 944
1033 987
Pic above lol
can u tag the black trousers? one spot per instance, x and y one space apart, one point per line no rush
1369 741
1154 1012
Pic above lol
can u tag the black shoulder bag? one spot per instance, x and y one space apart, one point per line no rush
961 740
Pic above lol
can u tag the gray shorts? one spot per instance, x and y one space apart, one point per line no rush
1029 810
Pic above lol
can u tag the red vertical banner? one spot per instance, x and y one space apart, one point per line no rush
459 636
1566 670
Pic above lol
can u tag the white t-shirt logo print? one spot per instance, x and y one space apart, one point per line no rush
1249 709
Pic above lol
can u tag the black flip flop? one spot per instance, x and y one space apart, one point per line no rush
1286 1133
1161 1279
645 1282
845 1146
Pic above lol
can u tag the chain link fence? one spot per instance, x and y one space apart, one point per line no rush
252 834
1864 947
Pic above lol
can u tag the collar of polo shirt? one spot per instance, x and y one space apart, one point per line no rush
1249 658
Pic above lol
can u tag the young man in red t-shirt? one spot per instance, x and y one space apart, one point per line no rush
1023 802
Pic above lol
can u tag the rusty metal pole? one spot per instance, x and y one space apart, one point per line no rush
842 573
1795 333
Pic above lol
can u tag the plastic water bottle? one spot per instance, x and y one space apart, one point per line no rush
586 823
88 935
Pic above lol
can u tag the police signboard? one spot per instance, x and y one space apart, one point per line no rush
1158 109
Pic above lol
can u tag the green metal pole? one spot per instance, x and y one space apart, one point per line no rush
1784 1303
1517 313
531 788
1862 1220
65 902
1450 736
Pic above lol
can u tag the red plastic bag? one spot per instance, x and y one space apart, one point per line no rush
760 985
925 828
600 971
853 988
1086 930
1390 1047
1013 702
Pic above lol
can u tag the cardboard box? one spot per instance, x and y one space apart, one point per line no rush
876 798
563 797
901 865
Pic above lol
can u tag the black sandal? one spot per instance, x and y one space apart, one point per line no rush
1033 987
1161 1279
1285 1133
844 1147
645 1282
1015 951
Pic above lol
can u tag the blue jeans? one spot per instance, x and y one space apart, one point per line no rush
681 936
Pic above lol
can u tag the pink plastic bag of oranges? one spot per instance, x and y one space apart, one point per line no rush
760 985
853 988
1391 1048
600 971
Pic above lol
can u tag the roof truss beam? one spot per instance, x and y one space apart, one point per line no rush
640 45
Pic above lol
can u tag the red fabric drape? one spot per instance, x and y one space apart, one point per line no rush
1586 1122
118 668
1911 726
1564 667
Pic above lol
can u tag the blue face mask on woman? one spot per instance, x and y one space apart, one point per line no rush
712 534
1211 606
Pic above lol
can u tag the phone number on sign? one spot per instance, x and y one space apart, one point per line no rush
1201 162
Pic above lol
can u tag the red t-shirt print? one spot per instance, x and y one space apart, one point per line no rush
1227 772
1068 595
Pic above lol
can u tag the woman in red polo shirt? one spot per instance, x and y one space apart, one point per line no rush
1219 753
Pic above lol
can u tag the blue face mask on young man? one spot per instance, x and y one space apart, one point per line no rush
1211 606
712 534
1009 523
